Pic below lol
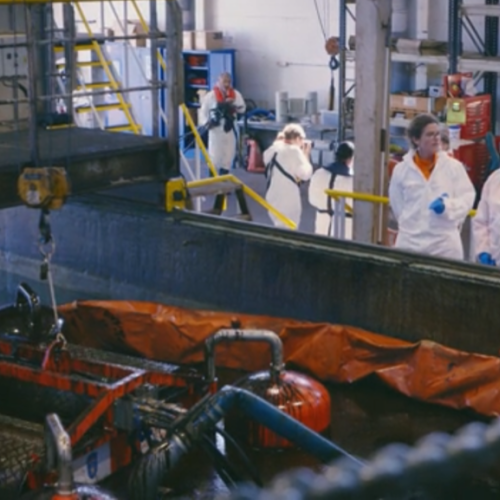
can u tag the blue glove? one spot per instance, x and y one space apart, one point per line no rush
438 204
486 259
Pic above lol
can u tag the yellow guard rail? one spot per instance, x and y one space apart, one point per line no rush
228 178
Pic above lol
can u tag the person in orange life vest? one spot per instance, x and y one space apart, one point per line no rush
219 109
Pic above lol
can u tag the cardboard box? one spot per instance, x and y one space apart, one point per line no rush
188 40
410 106
133 28
209 40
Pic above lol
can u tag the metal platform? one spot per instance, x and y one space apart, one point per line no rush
95 159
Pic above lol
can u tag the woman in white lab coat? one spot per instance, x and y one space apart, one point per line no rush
338 176
430 194
287 165
486 223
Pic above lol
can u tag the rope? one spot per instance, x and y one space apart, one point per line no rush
438 459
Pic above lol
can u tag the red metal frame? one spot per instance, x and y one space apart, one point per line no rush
55 367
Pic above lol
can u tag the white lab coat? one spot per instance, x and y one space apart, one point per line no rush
419 228
486 223
321 180
221 145
282 193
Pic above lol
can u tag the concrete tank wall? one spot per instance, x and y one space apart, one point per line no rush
125 251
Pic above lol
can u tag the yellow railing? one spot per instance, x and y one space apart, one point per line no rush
229 178
370 198
248 191
104 63
199 140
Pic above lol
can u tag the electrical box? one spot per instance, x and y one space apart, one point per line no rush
13 60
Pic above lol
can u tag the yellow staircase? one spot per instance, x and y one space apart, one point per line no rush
112 83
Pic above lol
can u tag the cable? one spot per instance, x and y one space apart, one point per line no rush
251 469
323 30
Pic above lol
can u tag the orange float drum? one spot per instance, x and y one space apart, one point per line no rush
296 394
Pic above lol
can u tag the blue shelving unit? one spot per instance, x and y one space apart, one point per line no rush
201 71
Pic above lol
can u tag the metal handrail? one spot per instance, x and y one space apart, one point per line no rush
113 83
248 191
370 198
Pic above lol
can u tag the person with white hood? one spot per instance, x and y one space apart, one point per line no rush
287 164
338 175
219 110
486 223
430 194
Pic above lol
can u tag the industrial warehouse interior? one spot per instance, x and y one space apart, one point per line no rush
249 250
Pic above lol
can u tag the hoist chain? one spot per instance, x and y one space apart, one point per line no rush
47 247
438 459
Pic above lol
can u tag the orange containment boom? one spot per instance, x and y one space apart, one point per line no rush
423 370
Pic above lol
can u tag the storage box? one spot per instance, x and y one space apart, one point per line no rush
188 42
209 40
475 158
134 28
410 106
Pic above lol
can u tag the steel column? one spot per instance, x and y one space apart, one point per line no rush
32 18
491 49
155 97
342 69
69 55
454 35
175 83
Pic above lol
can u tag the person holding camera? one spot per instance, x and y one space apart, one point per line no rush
287 165
337 175
219 110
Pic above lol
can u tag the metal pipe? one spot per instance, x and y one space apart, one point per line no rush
342 69
83 94
155 96
69 56
453 14
206 414
249 336
100 40
31 18
58 445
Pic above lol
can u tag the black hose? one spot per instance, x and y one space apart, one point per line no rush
226 471
251 469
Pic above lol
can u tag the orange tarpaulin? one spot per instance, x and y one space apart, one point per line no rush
424 370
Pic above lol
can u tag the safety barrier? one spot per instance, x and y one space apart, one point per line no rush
341 209
247 190
216 178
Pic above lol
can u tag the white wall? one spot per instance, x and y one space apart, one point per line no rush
280 45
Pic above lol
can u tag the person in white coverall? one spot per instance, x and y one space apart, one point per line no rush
219 110
486 223
287 164
430 194
338 176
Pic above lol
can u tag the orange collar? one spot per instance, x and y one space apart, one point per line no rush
425 166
